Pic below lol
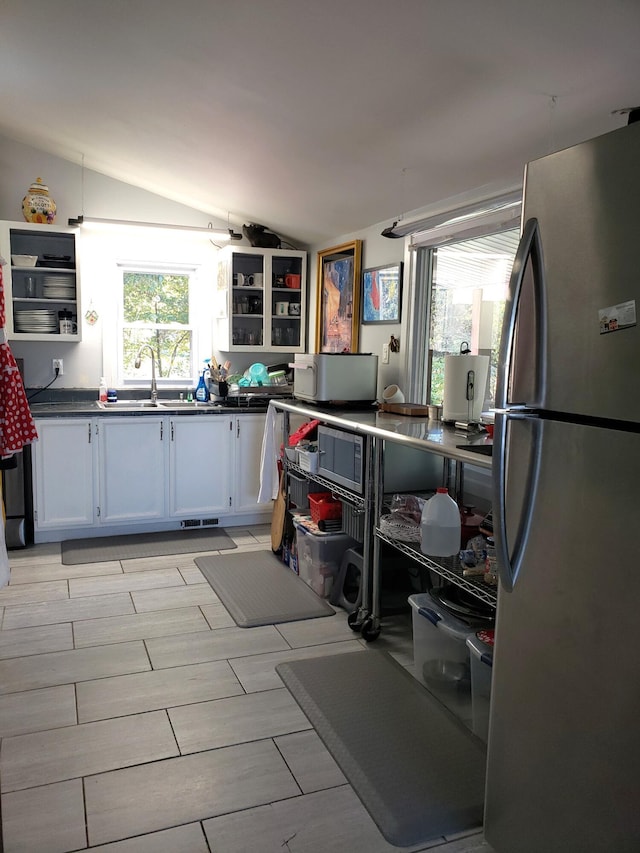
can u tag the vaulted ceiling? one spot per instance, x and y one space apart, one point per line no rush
320 118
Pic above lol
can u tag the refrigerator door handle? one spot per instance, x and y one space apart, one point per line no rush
530 247
509 561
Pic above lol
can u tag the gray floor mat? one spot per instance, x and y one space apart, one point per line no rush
417 770
132 546
258 589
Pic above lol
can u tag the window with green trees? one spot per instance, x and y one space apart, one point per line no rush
156 314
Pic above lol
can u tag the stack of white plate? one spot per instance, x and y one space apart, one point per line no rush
38 321
58 287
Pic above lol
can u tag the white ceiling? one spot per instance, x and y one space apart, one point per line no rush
320 118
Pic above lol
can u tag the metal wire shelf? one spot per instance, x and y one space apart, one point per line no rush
338 491
446 567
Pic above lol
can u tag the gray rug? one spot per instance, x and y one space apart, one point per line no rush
417 770
136 545
258 589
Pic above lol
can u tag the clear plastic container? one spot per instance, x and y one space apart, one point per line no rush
441 655
481 653
440 526
278 377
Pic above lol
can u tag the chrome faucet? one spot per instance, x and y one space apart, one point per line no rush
138 362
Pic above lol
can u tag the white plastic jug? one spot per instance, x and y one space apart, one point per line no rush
440 526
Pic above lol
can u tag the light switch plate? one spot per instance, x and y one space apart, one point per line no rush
385 353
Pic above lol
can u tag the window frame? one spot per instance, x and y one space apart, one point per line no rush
157 268
419 255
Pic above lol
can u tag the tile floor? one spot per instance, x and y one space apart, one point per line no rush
135 716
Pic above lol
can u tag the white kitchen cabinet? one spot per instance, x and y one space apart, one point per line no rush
126 472
63 466
200 466
248 432
52 287
260 300
132 468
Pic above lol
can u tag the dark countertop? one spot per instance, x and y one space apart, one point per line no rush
91 408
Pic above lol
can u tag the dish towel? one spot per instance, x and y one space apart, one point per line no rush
269 480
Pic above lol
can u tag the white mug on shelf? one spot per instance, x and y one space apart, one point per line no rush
282 308
68 327
257 279
392 394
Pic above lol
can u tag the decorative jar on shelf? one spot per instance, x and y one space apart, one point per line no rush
37 205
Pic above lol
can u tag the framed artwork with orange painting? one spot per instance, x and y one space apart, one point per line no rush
338 298
381 290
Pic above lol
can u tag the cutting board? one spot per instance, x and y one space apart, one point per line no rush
278 517
411 409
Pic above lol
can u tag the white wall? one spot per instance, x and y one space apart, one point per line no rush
376 251
77 191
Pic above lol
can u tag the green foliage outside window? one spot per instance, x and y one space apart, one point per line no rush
450 325
156 314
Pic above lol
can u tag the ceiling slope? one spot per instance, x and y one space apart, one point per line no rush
314 118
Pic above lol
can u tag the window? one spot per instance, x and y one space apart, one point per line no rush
157 317
467 294
459 273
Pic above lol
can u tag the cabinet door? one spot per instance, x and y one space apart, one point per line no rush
248 432
200 466
287 277
260 300
63 481
52 288
133 468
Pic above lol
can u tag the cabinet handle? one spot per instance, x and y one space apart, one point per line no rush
161 430
89 425
238 429
172 432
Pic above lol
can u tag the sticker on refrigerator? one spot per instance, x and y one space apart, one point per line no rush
617 317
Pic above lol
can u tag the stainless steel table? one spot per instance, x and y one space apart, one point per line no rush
428 435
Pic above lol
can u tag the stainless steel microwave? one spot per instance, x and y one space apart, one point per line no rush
342 460
341 457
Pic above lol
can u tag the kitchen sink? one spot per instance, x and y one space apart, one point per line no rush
161 404
130 404
182 404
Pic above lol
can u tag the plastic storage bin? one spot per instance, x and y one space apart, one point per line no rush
481 651
299 490
353 521
308 460
440 654
324 506
320 557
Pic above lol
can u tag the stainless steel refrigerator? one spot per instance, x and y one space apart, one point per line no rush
563 767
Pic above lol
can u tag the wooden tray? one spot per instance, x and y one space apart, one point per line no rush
411 409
